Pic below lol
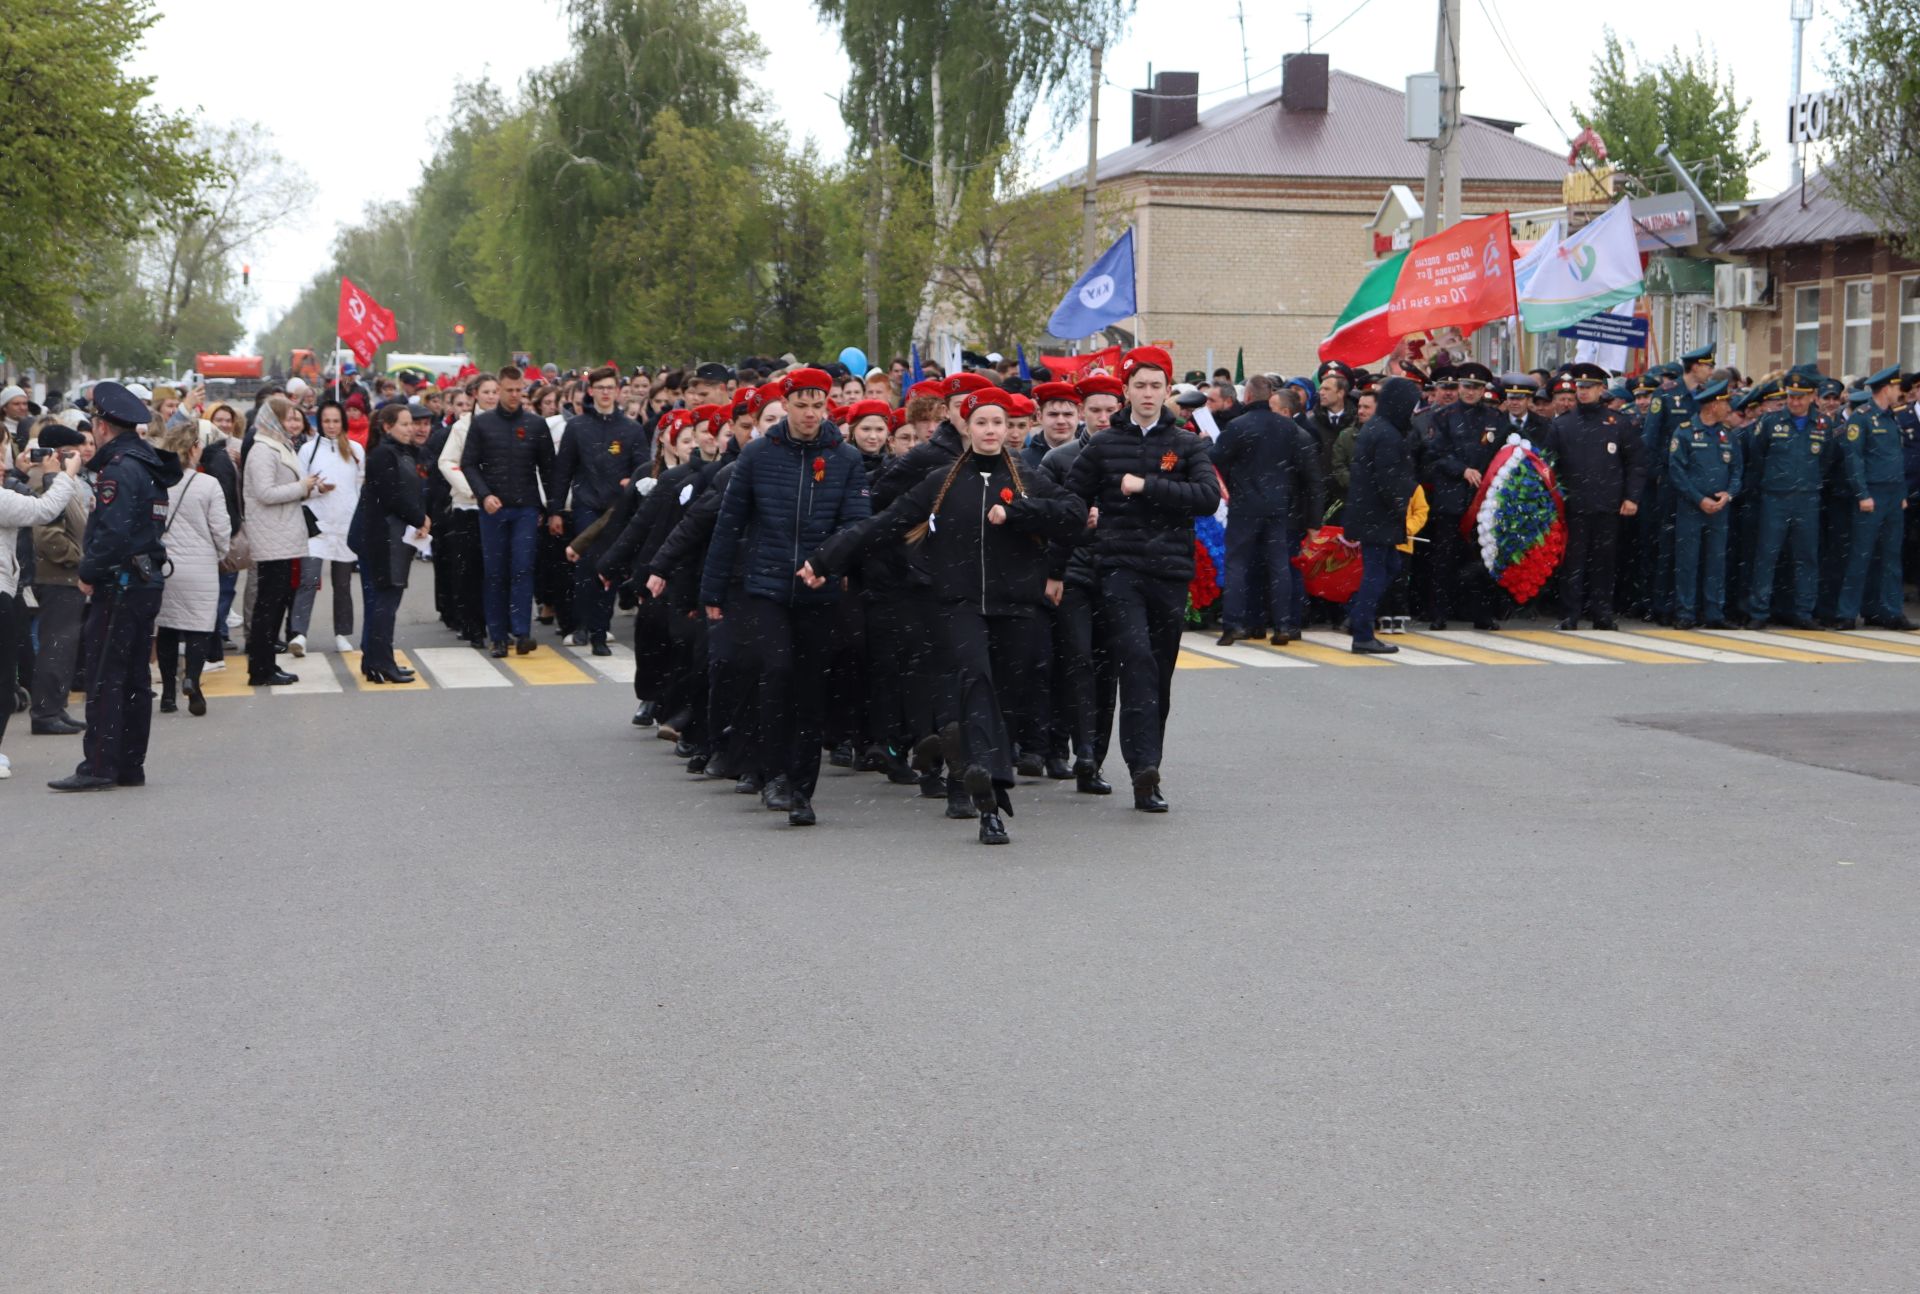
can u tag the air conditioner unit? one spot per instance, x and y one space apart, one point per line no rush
1740 287
1724 285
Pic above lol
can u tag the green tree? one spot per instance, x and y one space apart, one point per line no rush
86 162
1877 61
1683 102
1010 255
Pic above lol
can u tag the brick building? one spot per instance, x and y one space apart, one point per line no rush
1833 293
1250 218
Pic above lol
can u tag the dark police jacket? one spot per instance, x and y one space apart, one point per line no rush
595 455
1260 456
1152 531
1703 461
131 480
785 497
393 498
1598 458
505 453
1461 436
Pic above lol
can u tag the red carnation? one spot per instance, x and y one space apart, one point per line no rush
1006 495
819 469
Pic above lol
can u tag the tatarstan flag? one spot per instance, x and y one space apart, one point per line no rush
1360 335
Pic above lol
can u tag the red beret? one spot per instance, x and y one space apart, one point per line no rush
836 413
933 386
1100 384
806 379
709 412
896 418
967 383
867 409
774 390
1055 391
748 400
1146 357
977 400
1021 407
673 420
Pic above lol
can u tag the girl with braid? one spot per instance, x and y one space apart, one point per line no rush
984 526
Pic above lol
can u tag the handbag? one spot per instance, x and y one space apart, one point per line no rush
306 513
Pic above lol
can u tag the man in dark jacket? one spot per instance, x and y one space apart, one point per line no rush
1462 439
600 452
1084 679
1259 457
1597 463
1150 480
508 457
1378 491
790 490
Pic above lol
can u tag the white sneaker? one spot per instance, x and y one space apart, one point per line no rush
342 643
575 640
233 619
6 768
213 667
297 645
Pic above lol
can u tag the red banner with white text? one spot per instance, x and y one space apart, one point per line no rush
1460 278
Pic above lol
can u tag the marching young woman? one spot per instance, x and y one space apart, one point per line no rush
984 527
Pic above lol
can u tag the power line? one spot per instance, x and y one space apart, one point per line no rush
1227 89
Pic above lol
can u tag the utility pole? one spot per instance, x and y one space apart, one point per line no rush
1800 11
1246 81
1440 201
1089 202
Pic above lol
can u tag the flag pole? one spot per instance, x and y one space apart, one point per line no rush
336 368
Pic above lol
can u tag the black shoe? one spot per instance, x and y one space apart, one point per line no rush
870 760
1255 635
1087 779
932 786
800 810
1373 647
524 645
1796 622
167 706
61 726
379 674
1899 624
1146 791
543 620
643 717
684 749
1436 625
698 765
498 651
1030 764
959 803
131 779
776 797
1717 624
1568 625
1487 626
1609 624
1058 769
600 647
82 782
196 699
279 678
841 756
1843 626
1677 624
979 784
279 647
1227 638
747 784
719 766
926 754
992 830
1285 634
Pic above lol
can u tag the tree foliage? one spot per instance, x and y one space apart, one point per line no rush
1870 166
1682 101
1010 255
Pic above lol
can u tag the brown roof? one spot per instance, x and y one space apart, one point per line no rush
1787 220
1360 135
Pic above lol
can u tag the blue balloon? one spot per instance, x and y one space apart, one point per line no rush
855 359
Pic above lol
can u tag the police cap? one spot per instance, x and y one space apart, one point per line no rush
1587 374
1861 396
1473 374
1512 384
1646 383
1618 391
1710 392
119 406
1798 383
1889 374
1830 388
713 372
1699 355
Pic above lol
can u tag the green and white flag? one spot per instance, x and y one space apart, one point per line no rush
1565 280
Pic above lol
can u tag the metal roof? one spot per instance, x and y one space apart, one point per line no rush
1788 220
1361 134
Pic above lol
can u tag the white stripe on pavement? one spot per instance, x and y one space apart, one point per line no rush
1889 635
1258 657
316 677
617 667
1666 646
1532 651
1405 656
459 667
1824 646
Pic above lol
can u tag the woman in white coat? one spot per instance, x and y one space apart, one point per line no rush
17 511
276 531
338 462
198 532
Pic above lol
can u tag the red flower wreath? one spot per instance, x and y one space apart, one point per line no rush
1006 495
819 469
1169 461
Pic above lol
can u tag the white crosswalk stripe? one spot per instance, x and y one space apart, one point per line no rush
1666 646
1254 657
1405 656
1825 646
1532 651
617 668
459 667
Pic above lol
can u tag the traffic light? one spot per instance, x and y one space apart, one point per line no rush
459 330
246 275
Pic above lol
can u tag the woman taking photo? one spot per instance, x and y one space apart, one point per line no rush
984 526
274 488
391 502
196 536
340 464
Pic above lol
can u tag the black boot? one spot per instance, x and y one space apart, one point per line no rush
1030 764
1087 779
775 796
992 830
799 810
841 756
932 786
747 784
644 716
959 802
1058 769
1146 791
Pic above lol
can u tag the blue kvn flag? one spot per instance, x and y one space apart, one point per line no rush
1026 374
918 375
1101 296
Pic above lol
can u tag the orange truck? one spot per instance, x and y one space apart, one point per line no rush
232 366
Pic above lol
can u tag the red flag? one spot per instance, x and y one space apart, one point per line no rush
1066 368
365 326
1460 278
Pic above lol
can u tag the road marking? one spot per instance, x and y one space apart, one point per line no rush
1312 653
1653 642
1508 642
316 677
1405 656
1251 656
617 668
1830 646
1887 640
229 682
546 669
352 660
457 667
1744 643
1191 660
1599 644
1470 652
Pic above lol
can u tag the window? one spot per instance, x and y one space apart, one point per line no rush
1909 324
1806 325
1856 328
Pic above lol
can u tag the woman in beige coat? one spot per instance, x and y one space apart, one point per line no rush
197 536
276 532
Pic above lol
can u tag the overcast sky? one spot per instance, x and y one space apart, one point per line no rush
362 101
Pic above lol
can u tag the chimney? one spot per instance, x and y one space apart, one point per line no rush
1176 103
1142 115
1303 83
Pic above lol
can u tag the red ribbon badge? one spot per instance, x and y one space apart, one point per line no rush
819 469
1169 461
1006 495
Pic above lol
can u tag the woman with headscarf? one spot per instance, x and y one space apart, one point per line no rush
274 490
392 502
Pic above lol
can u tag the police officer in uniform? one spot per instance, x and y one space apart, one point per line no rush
1874 478
1790 465
1704 467
1665 412
1461 441
1597 462
122 569
1837 503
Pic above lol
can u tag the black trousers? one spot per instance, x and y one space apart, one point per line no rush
1143 618
846 676
63 610
464 571
1457 579
795 644
652 651
119 631
169 645
686 689
1035 679
893 687
1089 682
1586 573
9 659
275 582
983 649
732 699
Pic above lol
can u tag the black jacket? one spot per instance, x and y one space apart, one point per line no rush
130 483
509 456
219 465
1381 484
1461 436
595 455
1152 531
785 497
1325 428
392 499
1260 455
999 570
936 451
1597 458
1070 560
439 494
685 547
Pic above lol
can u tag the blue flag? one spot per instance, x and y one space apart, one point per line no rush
1026 374
918 375
1101 296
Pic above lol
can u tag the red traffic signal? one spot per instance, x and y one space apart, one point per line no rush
246 275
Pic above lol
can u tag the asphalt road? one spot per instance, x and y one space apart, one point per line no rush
1463 979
